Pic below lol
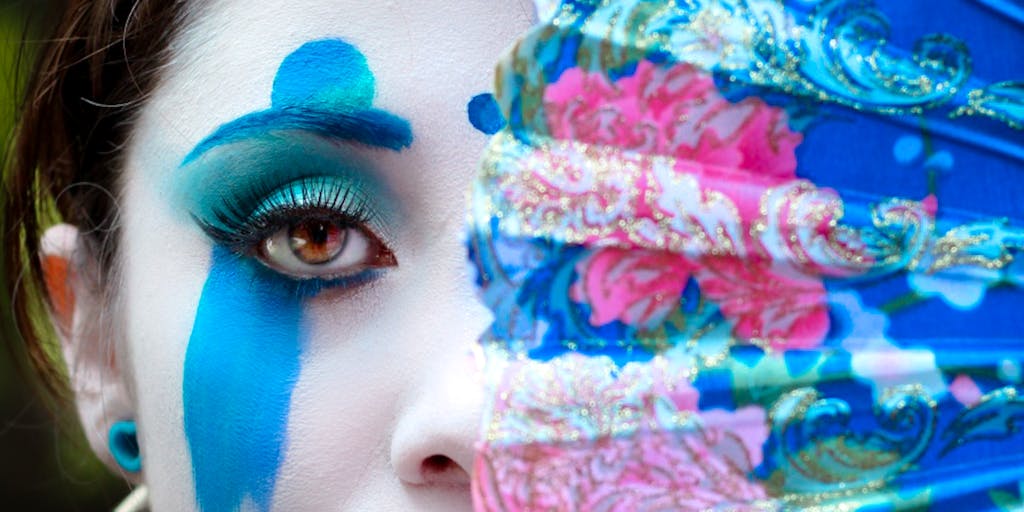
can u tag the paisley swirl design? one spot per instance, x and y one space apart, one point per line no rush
1003 101
997 415
844 55
820 449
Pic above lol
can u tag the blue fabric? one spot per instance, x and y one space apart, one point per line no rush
854 423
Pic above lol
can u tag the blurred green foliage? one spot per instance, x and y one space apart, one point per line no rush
45 463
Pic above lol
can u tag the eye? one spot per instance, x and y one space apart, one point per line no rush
315 228
319 247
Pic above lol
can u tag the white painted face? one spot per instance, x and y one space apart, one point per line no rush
362 396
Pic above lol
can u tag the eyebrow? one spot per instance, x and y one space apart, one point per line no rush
371 127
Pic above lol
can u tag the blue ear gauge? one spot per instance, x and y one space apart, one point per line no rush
124 446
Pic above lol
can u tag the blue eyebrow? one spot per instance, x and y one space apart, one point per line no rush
371 127
326 88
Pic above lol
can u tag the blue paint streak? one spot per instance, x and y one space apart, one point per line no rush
371 127
243 358
325 87
484 114
240 367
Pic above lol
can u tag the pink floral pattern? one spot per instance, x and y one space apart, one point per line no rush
675 111
778 305
694 469
742 153
637 287
568 434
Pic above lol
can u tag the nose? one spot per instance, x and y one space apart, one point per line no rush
434 440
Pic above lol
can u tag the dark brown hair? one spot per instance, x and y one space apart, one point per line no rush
90 78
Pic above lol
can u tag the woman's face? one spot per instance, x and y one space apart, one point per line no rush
344 126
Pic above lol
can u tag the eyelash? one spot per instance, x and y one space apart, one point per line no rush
263 209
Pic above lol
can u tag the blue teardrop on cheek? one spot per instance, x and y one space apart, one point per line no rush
241 365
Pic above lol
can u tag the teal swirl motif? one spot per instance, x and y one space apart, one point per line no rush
820 455
1004 100
844 56
999 415
833 51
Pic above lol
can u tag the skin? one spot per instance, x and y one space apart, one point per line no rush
387 374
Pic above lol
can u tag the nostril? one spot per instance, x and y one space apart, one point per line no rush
437 464
442 469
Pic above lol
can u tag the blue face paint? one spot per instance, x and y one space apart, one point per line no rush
243 357
485 114
325 87
342 79
233 180
240 367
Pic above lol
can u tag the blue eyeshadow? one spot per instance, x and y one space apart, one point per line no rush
237 179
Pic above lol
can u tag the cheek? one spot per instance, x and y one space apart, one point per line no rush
240 367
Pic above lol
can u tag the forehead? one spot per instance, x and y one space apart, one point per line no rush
226 60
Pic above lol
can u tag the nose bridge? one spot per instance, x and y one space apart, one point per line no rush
456 312
433 442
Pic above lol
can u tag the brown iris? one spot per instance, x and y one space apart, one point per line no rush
315 242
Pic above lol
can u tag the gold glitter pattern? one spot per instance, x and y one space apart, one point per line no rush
837 53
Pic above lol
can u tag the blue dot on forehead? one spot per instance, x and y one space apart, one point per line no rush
328 73
324 87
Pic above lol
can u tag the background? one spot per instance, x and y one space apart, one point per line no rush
45 464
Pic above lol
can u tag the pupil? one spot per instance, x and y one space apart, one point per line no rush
319 233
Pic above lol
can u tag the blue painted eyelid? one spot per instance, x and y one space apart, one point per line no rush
241 226
232 182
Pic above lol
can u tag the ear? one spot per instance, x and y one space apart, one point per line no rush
77 313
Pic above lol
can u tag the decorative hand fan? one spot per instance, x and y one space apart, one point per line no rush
755 255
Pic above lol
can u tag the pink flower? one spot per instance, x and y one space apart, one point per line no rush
638 287
771 304
672 111
774 304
